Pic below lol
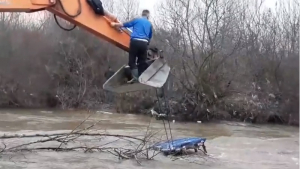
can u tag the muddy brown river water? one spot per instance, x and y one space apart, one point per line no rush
230 145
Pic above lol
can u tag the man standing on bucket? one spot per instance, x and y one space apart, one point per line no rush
139 41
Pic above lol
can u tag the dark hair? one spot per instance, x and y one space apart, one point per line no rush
145 12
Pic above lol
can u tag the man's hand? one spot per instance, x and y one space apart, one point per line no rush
115 24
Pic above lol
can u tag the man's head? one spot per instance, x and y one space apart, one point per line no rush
146 13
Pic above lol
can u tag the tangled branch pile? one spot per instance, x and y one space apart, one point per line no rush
87 140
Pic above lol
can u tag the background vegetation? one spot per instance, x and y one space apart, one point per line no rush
229 59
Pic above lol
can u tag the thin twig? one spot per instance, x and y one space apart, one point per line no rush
76 128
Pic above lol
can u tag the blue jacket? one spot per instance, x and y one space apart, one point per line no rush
142 28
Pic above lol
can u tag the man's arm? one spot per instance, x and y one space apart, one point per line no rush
150 35
129 23
125 24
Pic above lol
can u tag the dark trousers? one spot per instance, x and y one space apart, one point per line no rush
138 50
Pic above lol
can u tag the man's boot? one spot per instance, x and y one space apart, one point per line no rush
135 76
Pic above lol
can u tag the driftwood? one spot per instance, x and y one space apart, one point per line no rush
66 133
140 147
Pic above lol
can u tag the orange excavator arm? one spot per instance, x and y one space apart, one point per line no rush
77 12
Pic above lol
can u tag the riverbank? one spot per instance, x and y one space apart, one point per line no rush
238 107
217 115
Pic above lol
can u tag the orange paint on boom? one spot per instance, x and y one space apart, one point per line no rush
87 19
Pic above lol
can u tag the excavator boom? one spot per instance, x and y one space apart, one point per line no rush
77 12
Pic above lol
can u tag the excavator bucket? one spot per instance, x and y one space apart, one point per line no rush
154 76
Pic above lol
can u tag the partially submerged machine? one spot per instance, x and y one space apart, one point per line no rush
179 146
